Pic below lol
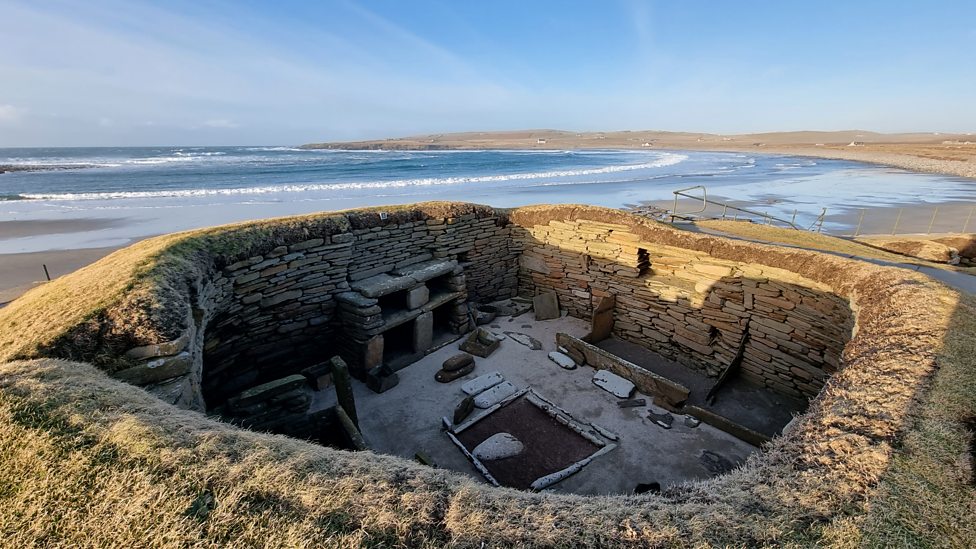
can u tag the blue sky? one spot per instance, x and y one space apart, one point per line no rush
142 73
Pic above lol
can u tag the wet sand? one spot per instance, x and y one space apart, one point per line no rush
21 272
947 154
38 227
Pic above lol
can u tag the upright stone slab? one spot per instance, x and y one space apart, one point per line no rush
417 297
423 332
601 324
343 387
546 306
373 353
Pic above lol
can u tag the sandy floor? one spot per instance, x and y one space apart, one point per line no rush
407 419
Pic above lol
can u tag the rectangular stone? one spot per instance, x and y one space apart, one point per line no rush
417 297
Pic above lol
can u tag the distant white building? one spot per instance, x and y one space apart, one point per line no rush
645 144
540 141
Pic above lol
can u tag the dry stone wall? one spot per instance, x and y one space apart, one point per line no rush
267 316
689 306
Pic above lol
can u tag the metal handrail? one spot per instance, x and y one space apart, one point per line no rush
726 207
681 192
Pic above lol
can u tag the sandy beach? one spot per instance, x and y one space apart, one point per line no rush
953 155
948 154
21 272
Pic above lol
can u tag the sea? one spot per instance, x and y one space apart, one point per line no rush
133 192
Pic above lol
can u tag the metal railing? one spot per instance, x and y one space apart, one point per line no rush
917 220
705 202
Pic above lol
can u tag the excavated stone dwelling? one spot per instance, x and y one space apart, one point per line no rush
382 289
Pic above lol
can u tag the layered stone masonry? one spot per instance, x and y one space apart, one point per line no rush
689 306
267 316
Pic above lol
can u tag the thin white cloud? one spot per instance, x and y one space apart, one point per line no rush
221 123
10 113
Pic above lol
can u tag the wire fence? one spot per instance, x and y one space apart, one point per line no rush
692 204
915 220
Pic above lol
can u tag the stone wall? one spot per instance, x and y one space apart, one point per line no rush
688 305
269 315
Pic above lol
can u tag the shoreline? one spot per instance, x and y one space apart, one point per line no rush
966 170
931 153
21 272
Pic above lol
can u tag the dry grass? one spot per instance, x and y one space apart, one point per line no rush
881 458
937 249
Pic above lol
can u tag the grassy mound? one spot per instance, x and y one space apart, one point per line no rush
883 457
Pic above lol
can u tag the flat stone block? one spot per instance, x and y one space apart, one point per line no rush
525 339
382 379
319 376
422 272
156 370
382 284
614 384
168 348
493 396
266 391
356 299
498 446
562 360
482 383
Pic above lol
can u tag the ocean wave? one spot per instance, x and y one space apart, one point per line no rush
278 149
12 197
205 153
666 159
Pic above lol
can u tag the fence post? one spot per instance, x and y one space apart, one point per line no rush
897 219
931 223
725 210
965 227
860 220
793 221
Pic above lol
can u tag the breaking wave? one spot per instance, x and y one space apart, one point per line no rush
666 159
